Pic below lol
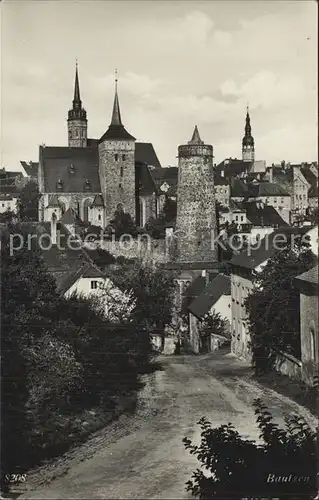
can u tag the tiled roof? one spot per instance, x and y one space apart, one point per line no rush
313 192
145 179
145 152
57 163
282 174
169 175
196 287
310 276
116 132
233 167
221 285
238 189
252 258
190 266
264 215
31 168
271 189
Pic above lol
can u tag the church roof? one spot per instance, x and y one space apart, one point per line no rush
56 164
144 178
145 152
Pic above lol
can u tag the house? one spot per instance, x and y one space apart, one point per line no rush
215 298
30 170
309 334
244 268
292 179
8 202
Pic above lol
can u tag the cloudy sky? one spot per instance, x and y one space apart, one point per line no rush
179 64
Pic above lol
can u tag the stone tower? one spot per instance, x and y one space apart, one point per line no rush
117 165
77 122
248 147
196 212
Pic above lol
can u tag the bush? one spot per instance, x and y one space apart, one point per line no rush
240 468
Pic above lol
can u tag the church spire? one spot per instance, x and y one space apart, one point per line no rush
77 121
248 143
77 99
116 115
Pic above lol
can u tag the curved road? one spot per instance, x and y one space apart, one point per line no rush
142 456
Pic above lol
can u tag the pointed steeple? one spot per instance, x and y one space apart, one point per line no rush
77 121
77 99
248 143
195 137
116 129
116 115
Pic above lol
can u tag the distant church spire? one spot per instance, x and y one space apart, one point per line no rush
77 121
116 115
77 99
195 137
248 143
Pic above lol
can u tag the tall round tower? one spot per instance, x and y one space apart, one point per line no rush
196 212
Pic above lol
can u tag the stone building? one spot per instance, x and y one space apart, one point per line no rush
196 211
95 177
309 334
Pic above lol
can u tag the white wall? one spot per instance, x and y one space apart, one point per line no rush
223 307
262 231
114 300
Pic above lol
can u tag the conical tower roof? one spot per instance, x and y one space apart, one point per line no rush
195 137
116 129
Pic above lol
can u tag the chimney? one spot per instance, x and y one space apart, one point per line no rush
222 173
53 228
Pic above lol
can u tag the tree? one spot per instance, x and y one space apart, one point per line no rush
273 306
27 203
155 227
153 290
237 467
213 323
122 223
7 217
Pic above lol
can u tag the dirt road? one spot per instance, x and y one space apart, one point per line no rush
142 456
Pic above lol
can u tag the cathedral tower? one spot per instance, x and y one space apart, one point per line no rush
196 212
117 165
248 147
77 122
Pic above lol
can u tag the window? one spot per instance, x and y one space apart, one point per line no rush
99 217
282 200
116 157
83 132
121 171
123 157
241 218
236 217
120 185
3 204
76 132
93 285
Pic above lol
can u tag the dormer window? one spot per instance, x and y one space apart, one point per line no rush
59 184
72 170
87 184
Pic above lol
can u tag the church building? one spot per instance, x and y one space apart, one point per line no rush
92 178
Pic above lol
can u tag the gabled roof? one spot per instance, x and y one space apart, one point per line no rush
309 176
283 174
220 285
238 189
116 132
271 189
233 167
264 215
313 192
71 217
98 201
56 163
31 168
310 276
145 179
145 152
